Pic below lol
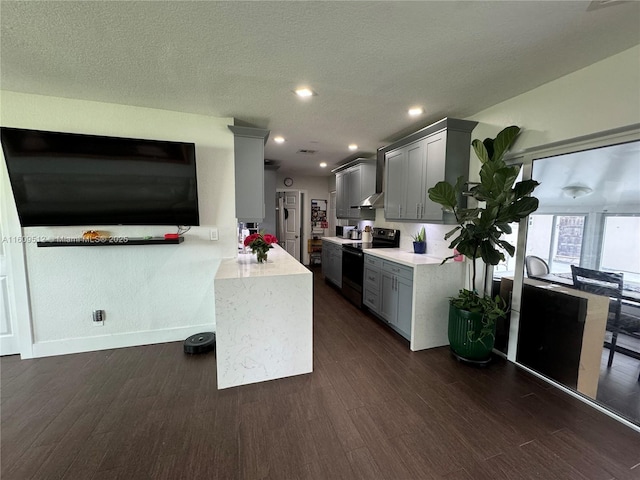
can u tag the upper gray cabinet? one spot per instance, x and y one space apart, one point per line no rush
355 182
419 161
249 166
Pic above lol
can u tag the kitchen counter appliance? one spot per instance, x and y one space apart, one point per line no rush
353 261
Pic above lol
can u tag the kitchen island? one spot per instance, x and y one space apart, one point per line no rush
264 319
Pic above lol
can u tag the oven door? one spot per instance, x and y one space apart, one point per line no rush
352 273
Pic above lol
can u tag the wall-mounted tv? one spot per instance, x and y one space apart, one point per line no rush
71 179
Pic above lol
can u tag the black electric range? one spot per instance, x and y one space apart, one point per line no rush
353 261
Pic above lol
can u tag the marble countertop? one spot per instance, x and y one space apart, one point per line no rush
279 262
340 240
405 257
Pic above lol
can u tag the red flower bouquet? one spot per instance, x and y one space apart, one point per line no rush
260 243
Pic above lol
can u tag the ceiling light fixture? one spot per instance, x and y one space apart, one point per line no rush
323 164
576 191
353 147
305 92
278 139
415 111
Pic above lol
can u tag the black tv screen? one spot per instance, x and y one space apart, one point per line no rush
71 179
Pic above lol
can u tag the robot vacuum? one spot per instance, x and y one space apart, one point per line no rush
200 343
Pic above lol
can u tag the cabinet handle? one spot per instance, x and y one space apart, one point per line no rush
421 211
400 211
417 210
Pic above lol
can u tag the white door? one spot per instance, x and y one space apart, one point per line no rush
292 223
8 330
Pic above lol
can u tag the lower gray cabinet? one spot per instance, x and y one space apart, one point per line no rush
388 292
332 262
371 283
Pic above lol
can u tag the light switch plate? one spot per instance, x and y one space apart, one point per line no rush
213 234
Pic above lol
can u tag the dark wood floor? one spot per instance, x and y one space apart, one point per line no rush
370 410
618 386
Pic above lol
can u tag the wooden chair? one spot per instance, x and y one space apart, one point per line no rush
610 285
535 266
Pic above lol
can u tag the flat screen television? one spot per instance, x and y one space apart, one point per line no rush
71 179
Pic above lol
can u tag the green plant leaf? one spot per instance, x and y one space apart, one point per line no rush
504 228
444 194
524 188
503 141
481 151
488 144
511 250
523 207
451 232
489 253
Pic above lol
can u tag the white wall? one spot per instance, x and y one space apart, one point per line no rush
600 97
150 293
314 188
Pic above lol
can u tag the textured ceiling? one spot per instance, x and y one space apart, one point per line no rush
368 61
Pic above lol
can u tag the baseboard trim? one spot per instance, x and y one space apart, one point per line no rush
119 340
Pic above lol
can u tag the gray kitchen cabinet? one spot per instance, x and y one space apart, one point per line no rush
341 200
355 182
332 262
249 172
388 292
417 162
394 196
371 283
414 169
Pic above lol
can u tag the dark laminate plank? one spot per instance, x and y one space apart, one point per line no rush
589 462
363 466
67 448
440 455
27 464
89 457
334 467
385 456
346 431
252 440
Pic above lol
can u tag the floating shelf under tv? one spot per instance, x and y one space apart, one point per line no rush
110 242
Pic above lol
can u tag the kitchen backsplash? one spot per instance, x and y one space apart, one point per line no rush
436 245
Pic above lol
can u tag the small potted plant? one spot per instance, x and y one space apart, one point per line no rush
472 317
420 241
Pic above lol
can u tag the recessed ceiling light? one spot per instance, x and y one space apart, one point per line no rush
305 92
323 165
353 147
415 111
278 139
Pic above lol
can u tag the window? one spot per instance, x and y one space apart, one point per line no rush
557 239
620 247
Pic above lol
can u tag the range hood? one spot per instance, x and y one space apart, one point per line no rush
376 200
373 201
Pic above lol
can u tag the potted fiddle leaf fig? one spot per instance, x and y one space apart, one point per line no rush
472 316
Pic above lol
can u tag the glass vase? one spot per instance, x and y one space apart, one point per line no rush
262 256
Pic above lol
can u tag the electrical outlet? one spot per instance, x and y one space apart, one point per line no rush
213 234
98 318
